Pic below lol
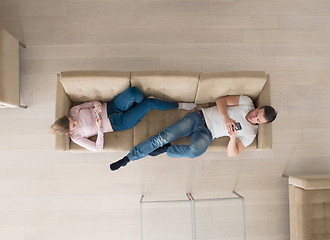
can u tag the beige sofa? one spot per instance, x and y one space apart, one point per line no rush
9 70
309 198
202 88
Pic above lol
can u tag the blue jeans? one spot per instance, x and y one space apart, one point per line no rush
191 125
130 106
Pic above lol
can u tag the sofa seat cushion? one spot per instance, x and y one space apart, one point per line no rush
218 144
154 122
121 141
167 85
214 85
309 214
83 86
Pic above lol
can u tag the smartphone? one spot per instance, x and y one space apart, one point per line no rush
238 126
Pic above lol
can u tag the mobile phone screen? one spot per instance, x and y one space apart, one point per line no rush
238 126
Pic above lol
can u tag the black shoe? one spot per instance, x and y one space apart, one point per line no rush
122 162
160 150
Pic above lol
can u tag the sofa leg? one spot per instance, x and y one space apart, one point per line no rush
22 44
285 176
22 106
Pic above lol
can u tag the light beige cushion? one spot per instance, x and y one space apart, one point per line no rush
62 107
154 122
167 85
9 70
218 144
264 137
214 85
83 86
121 141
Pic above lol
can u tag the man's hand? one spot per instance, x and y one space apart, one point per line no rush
232 132
230 123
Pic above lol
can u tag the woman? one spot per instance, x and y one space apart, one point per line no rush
95 118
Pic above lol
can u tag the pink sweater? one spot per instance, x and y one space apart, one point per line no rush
84 114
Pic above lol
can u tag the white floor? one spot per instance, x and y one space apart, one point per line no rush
48 195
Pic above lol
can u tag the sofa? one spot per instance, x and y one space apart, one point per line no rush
9 70
309 200
74 87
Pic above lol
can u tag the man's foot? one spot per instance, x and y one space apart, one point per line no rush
187 106
122 162
160 150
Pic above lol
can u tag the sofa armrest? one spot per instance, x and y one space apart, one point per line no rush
310 182
265 134
62 107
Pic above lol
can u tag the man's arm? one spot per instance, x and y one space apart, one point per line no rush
222 104
235 147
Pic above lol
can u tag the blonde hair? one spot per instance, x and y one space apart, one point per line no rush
61 126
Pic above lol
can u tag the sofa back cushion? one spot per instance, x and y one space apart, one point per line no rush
154 122
83 86
167 85
214 85
62 107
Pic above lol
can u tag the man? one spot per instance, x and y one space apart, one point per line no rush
205 125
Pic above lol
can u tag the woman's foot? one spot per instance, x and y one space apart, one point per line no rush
186 106
122 162
160 150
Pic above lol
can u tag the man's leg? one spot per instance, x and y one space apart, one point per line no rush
127 98
182 128
178 130
160 150
199 142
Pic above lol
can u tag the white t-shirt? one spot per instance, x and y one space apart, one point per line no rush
216 124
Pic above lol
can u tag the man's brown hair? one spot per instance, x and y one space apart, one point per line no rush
270 113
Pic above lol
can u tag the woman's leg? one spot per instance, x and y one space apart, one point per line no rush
132 116
127 98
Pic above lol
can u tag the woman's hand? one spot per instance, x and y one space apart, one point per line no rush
98 109
98 122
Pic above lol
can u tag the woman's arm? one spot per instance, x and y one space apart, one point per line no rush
90 145
93 104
